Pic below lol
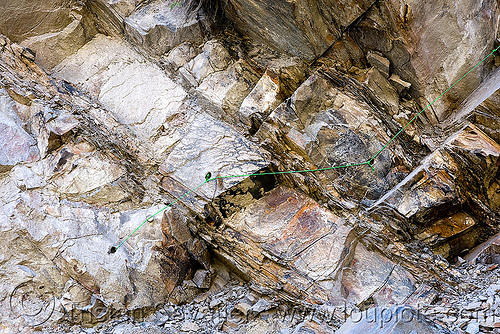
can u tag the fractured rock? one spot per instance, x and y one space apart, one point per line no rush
331 121
160 25
16 145
289 244
393 320
377 60
400 85
137 92
263 98
281 23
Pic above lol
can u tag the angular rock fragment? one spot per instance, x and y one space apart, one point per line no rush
16 145
281 24
160 25
377 60
213 58
400 85
209 146
228 89
263 98
449 236
331 121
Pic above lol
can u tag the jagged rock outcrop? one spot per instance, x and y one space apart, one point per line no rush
110 110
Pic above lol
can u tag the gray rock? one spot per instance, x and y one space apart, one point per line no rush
261 101
262 305
213 58
189 327
281 23
16 145
160 25
473 306
472 328
202 279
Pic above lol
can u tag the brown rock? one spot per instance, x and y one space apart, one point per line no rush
377 60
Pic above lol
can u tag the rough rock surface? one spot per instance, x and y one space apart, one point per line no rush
158 165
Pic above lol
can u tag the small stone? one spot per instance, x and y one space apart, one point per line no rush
443 264
28 54
460 261
473 306
401 86
243 308
189 327
493 289
472 328
215 302
492 267
261 306
202 279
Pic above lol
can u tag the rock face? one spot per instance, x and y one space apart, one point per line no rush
392 320
161 25
53 30
17 145
156 159
299 236
302 28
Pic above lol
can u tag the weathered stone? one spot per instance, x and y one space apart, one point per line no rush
24 19
263 242
379 85
331 121
16 145
160 25
180 55
119 137
196 152
189 327
486 252
434 55
373 276
263 98
213 58
228 89
52 48
450 235
282 24
202 279
377 60
400 85
141 95
88 175
124 7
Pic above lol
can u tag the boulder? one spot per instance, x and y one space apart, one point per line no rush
289 245
261 101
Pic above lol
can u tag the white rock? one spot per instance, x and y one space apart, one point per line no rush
137 92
